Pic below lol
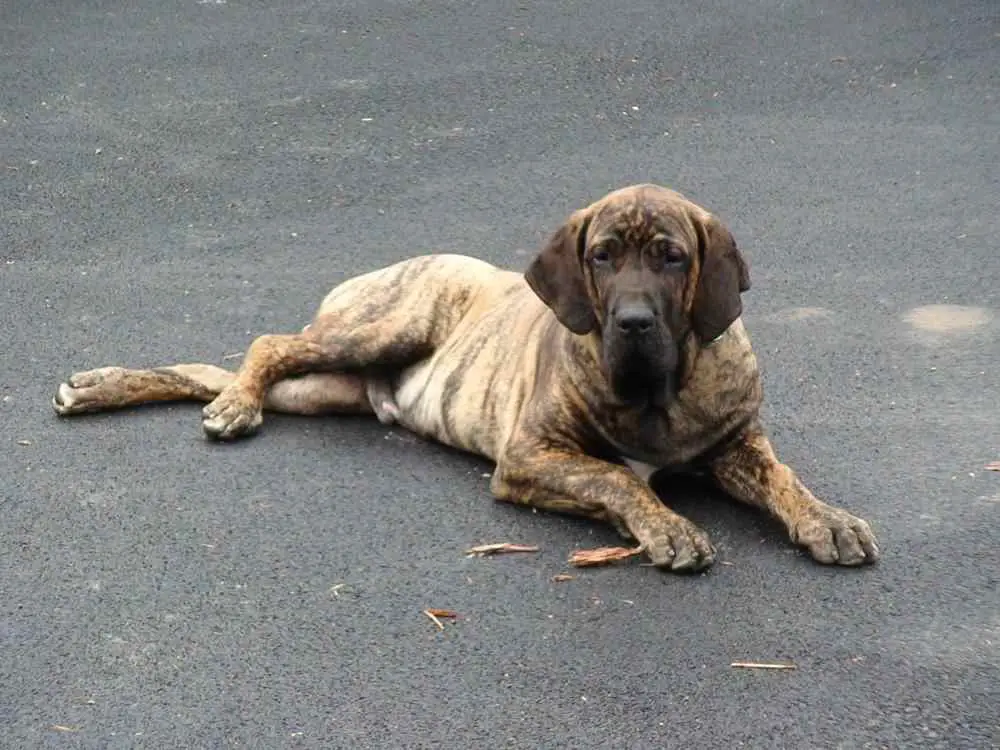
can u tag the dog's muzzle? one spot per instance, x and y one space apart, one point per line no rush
641 355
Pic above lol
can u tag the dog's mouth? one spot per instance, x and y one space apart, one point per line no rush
642 374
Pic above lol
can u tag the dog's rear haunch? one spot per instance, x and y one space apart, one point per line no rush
622 345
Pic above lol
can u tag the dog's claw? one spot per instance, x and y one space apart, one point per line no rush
231 415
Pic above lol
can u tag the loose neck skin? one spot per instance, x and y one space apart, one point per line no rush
712 377
592 379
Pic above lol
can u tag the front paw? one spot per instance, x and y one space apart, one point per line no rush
671 541
232 414
834 536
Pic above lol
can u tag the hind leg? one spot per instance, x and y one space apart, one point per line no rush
383 321
389 344
111 388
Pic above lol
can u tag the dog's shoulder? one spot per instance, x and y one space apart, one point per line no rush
722 387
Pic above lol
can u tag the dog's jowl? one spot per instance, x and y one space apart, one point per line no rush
622 342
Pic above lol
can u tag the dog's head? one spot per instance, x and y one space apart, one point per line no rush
642 267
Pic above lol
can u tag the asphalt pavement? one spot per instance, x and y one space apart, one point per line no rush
177 177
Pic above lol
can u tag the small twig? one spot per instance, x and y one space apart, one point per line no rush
64 728
234 355
501 548
761 665
993 466
560 577
583 558
434 619
436 614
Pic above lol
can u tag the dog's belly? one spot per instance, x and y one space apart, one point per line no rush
469 393
419 396
434 402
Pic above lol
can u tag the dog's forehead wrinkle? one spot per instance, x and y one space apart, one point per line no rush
636 221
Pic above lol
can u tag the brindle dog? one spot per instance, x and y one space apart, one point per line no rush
620 349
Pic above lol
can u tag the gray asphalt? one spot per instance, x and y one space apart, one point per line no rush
176 177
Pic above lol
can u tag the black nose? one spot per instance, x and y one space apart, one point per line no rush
635 320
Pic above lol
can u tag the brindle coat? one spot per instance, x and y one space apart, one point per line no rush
621 347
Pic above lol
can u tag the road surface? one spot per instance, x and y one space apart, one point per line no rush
177 177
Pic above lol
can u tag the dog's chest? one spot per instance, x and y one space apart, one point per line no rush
722 394
673 438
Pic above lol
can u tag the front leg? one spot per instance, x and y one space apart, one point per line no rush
751 473
561 479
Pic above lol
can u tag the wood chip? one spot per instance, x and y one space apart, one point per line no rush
761 665
583 558
994 466
437 614
495 549
560 577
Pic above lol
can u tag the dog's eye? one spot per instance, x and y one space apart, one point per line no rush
673 255
600 257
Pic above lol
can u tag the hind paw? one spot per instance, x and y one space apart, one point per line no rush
231 415
88 391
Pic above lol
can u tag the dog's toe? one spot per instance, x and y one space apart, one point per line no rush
64 400
90 378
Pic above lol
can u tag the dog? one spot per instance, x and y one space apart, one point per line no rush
619 351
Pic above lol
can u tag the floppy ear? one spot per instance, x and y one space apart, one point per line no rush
556 276
724 275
